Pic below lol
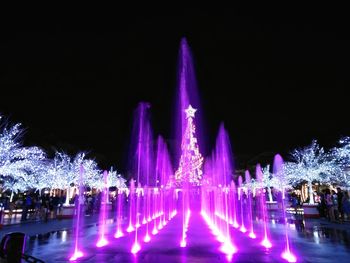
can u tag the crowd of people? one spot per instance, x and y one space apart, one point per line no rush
335 205
32 206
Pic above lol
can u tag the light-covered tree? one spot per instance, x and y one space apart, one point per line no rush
18 163
310 164
341 156
268 180
191 160
113 180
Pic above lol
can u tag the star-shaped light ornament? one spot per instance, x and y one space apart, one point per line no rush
190 112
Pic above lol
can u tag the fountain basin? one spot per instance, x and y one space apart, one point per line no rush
310 211
67 211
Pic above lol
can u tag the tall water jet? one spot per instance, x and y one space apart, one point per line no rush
136 246
278 172
185 212
102 241
141 165
146 214
131 200
141 144
233 203
147 167
79 208
189 173
119 209
164 177
241 201
259 176
216 187
187 94
224 172
249 204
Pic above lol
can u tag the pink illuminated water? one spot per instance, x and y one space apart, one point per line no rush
241 201
234 204
249 204
278 172
154 196
119 231
102 241
185 214
131 206
259 175
79 203
146 215
136 247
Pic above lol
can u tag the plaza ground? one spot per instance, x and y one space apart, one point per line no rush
52 241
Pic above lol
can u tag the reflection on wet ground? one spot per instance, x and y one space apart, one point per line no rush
311 240
323 233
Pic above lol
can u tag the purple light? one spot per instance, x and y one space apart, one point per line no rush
102 242
103 214
229 257
183 243
243 229
266 243
154 231
77 254
135 248
220 238
235 224
288 256
147 238
252 235
118 234
215 231
130 229
228 248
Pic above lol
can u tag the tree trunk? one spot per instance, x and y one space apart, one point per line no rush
270 194
67 197
311 195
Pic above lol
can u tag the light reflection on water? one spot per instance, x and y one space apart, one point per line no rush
305 230
64 236
324 234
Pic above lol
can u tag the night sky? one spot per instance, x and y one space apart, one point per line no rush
277 78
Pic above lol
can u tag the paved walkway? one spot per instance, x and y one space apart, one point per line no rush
319 241
52 241
35 228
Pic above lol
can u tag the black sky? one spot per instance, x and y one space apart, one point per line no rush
276 77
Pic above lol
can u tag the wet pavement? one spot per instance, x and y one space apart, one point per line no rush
318 241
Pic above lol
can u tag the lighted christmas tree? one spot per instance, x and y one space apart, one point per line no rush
191 161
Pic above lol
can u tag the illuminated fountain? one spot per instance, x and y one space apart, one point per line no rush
263 211
156 193
102 241
242 199
217 195
233 204
79 206
119 216
131 207
278 171
249 206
